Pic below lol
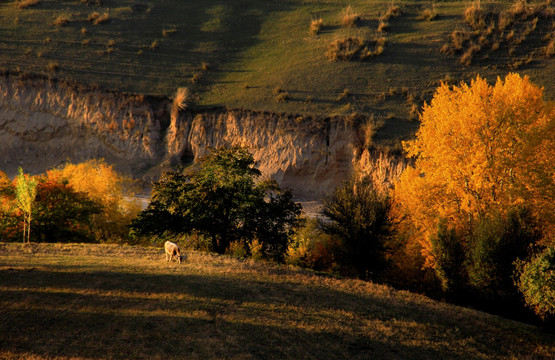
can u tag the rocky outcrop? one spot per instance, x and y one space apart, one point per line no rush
45 122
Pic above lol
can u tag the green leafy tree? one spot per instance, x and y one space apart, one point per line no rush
498 241
450 259
222 200
26 191
358 215
537 283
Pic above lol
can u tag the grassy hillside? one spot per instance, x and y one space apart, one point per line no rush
105 301
260 55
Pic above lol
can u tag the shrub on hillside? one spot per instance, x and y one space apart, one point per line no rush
536 281
316 26
449 256
311 248
350 18
23 4
497 243
354 48
358 215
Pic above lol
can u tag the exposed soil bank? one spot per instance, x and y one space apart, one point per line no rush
45 122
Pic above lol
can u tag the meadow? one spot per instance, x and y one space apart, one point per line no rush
76 301
267 55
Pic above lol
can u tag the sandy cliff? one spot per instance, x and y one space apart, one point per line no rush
45 122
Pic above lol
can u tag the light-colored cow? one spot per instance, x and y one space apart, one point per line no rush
171 250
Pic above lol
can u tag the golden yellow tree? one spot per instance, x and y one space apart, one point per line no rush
113 191
479 149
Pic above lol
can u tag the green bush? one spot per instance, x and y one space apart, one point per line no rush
497 243
358 215
450 255
311 248
536 282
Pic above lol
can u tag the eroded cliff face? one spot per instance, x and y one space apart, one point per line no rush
44 123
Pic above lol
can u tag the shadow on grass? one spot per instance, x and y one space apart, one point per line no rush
121 315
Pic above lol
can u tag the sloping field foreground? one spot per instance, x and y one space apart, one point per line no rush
120 302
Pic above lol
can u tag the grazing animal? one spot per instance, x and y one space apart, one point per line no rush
171 250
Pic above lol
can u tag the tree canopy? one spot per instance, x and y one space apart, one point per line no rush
480 149
224 200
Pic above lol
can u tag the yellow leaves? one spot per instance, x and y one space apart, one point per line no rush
108 188
480 148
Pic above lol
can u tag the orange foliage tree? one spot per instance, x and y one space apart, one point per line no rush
480 150
113 191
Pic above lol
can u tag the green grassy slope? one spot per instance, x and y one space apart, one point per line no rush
105 301
253 47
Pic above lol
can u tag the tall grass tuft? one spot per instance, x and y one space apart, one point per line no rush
350 18
474 15
22 4
345 49
168 32
62 20
181 99
316 26
383 26
98 19
429 13
391 12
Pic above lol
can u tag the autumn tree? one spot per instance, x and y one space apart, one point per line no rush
113 191
61 213
26 191
58 212
480 150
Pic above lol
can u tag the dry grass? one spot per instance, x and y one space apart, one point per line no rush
23 4
93 16
354 48
181 99
62 20
429 13
120 302
475 16
53 66
316 26
391 12
383 26
283 97
550 48
344 95
491 29
168 32
98 19
350 18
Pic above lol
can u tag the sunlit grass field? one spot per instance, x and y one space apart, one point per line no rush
119 302
257 54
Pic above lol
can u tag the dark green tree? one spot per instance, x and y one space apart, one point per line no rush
498 241
223 200
450 258
359 216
